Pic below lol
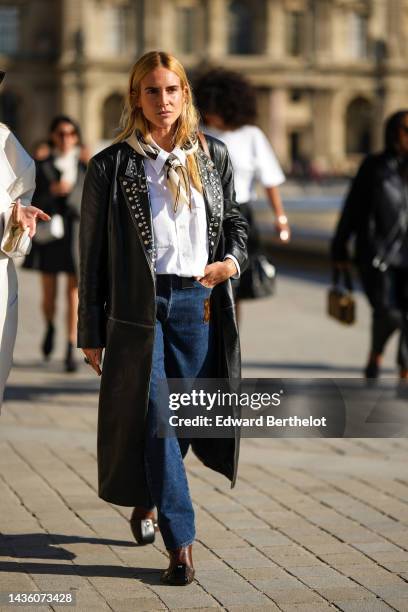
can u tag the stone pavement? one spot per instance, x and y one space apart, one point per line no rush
312 525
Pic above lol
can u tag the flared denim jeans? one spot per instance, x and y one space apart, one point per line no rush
183 348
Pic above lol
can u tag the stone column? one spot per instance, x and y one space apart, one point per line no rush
324 30
275 30
272 119
325 127
153 25
73 63
217 19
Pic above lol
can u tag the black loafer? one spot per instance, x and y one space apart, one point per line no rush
143 526
180 571
179 575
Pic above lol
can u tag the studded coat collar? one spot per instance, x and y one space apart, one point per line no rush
135 191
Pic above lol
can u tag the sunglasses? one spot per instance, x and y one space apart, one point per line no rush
2 75
66 133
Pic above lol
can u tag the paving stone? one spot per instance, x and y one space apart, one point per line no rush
398 604
245 599
198 609
286 582
386 591
266 607
314 570
130 604
300 595
262 573
319 582
376 578
345 593
363 606
315 607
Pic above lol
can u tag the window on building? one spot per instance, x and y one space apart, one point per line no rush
9 30
358 42
186 19
111 113
116 31
295 33
241 28
296 95
359 123
246 26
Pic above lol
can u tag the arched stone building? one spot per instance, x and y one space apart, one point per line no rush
327 72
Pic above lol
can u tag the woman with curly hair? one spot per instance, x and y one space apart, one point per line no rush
226 101
160 237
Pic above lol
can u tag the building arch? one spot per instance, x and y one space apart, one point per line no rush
112 108
359 126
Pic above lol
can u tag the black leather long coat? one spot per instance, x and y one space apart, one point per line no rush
117 306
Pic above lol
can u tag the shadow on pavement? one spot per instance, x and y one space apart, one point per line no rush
43 545
146 575
46 546
291 365
27 393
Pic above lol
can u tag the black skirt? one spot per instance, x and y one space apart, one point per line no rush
57 255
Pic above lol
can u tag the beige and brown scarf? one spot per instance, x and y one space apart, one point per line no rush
176 173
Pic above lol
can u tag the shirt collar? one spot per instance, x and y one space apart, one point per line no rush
162 156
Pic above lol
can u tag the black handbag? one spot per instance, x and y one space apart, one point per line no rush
340 302
258 280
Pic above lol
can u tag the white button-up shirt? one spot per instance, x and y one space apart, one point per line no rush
180 237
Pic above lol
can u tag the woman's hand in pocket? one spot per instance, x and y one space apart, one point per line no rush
217 273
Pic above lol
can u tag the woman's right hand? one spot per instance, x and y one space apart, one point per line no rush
94 357
26 217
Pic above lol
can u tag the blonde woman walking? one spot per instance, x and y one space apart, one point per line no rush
160 238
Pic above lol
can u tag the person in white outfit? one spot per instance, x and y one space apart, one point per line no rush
17 226
227 104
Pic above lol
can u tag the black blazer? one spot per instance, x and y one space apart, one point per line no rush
371 211
117 306
47 173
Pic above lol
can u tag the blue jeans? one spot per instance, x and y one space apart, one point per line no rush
183 348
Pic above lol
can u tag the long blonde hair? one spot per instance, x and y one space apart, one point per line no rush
133 119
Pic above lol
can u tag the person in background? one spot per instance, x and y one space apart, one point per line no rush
161 236
60 180
227 104
375 213
18 220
